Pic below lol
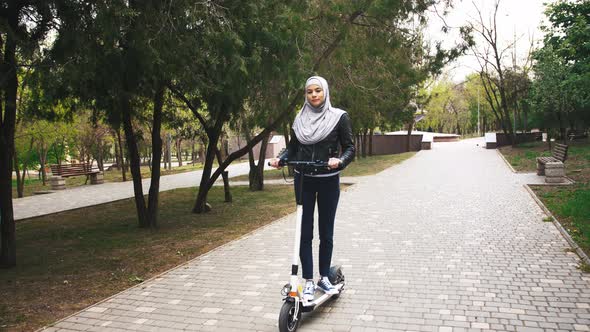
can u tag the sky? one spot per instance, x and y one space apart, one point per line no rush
520 18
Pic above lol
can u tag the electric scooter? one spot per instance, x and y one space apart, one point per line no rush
294 304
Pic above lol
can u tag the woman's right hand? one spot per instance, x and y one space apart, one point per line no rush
274 162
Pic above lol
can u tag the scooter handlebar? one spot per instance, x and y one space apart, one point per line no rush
301 163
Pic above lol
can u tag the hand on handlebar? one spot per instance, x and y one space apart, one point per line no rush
334 163
274 162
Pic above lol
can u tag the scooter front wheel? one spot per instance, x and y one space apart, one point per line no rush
288 322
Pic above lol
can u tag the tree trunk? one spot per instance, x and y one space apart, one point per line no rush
225 176
134 163
99 157
409 141
8 238
20 180
357 143
201 154
287 130
7 127
371 142
193 156
201 202
19 187
168 152
117 161
121 154
206 182
154 191
43 160
256 174
179 151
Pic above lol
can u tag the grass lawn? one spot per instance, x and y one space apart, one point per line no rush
570 204
33 184
70 260
359 167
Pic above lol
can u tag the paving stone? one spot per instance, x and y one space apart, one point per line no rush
449 240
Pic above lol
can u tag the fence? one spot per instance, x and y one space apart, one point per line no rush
393 144
382 144
503 139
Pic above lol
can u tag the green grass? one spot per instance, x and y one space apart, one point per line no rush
570 204
360 167
572 208
69 260
523 157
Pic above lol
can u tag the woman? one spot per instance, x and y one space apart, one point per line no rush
319 130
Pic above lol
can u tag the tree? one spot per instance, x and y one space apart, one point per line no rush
339 17
553 94
492 70
117 57
253 44
562 70
481 111
24 25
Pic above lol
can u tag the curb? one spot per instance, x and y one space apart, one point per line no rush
581 254
505 161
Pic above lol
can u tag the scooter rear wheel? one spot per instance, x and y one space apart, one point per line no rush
336 275
287 320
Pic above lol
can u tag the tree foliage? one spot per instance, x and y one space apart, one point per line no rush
560 95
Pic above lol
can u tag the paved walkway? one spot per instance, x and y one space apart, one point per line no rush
447 241
77 197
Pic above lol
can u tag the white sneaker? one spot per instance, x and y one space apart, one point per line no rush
325 285
309 291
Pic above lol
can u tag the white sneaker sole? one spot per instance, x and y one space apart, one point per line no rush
330 292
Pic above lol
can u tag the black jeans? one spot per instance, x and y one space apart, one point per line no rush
327 192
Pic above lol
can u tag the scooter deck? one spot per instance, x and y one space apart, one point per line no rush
318 300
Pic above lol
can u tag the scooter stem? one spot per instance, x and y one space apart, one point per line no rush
297 239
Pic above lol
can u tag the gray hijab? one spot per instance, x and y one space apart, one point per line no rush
313 124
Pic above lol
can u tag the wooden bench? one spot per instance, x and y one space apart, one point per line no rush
59 172
577 134
553 167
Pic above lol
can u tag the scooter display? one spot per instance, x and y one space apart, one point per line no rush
294 304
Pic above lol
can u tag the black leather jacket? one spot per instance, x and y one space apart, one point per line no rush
326 148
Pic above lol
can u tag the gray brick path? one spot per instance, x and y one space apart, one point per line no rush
447 241
89 195
77 197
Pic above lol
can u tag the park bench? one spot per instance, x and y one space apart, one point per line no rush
553 167
577 134
62 171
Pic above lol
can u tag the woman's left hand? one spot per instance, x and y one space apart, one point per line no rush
334 163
